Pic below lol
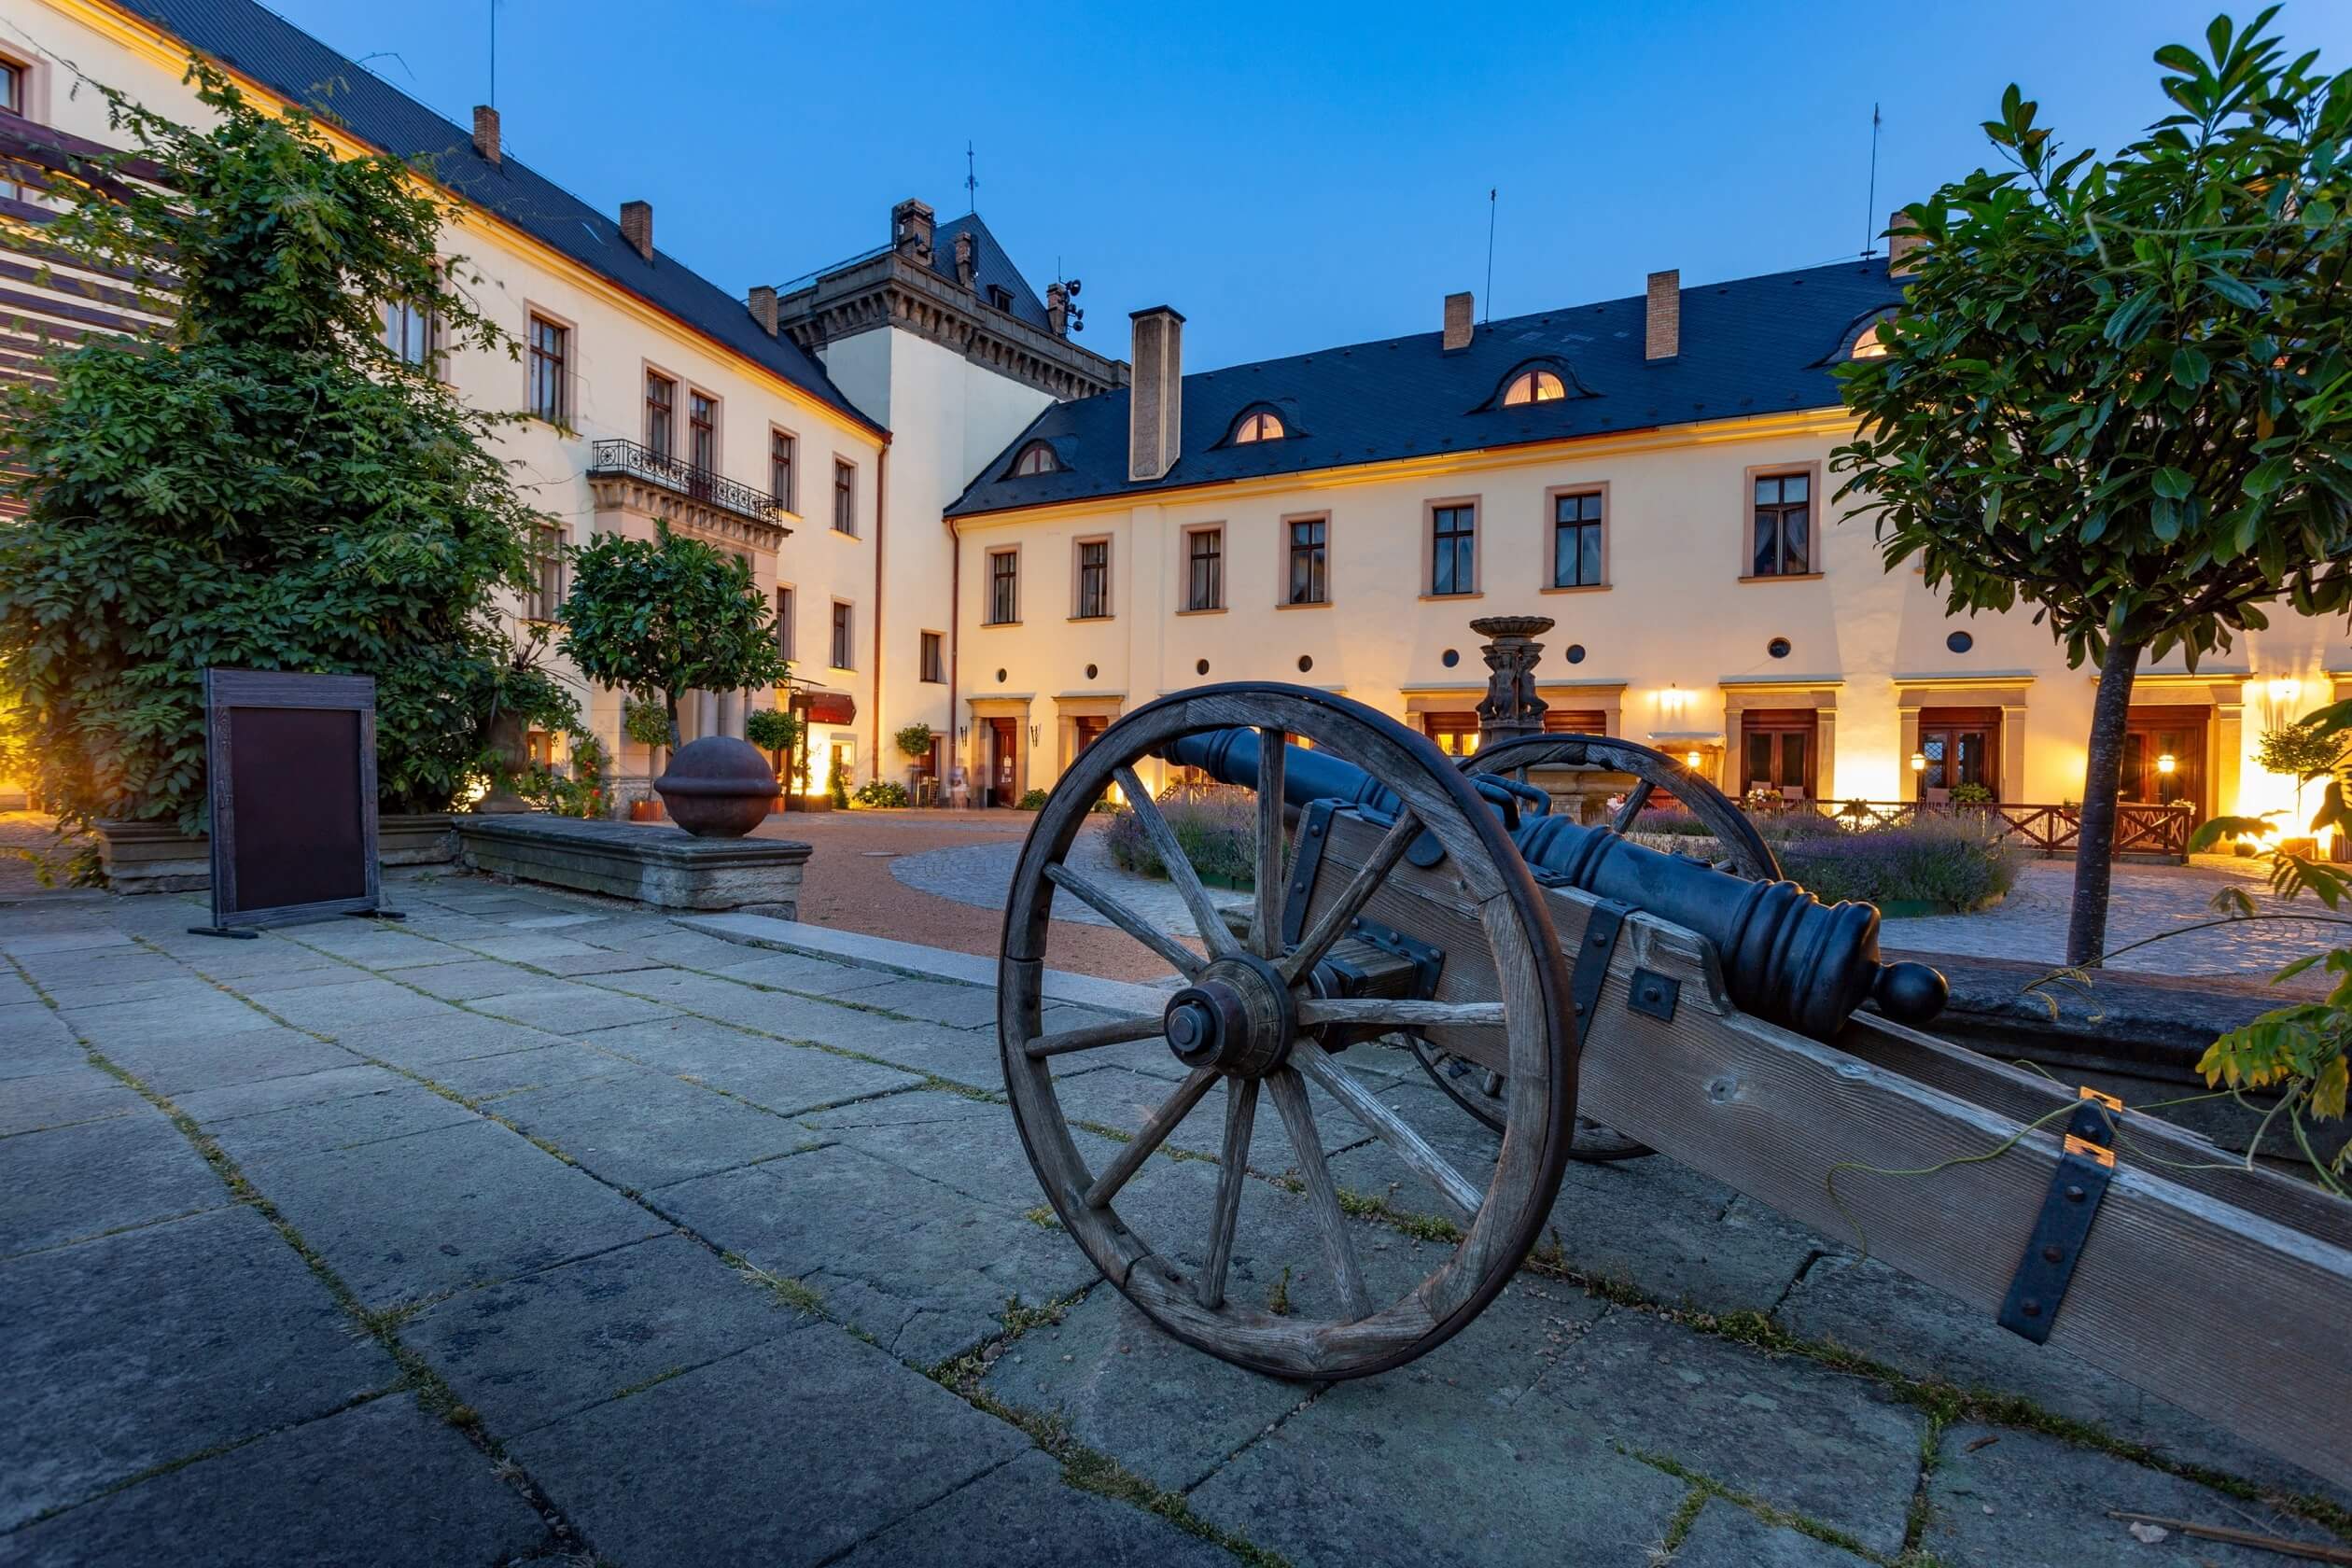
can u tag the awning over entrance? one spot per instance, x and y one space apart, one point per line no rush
829 708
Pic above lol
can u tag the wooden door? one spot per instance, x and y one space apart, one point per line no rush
1778 750
2151 735
1962 746
1003 756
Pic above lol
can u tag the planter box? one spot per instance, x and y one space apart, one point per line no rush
158 857
663 866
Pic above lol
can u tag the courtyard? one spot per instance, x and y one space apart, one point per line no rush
538 1226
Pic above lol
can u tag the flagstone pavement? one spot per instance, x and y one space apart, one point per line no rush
536 1228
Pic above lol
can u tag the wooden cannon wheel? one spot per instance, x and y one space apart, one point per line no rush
1479 1090
1248 1018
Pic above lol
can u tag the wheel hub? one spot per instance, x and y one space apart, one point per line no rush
1238 1019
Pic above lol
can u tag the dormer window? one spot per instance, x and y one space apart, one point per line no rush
1036 458
1259 427
1868 346
1533 387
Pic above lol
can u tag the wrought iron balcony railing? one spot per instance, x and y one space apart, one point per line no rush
684 479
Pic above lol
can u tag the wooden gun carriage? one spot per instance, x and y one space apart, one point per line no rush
1588 998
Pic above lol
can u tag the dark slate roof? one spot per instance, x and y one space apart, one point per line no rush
991 264
1754 347
300 69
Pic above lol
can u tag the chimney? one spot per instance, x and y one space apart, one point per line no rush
487 132
762 303
1458 316
1156 430
637 227
1903 240
911 231
1661 337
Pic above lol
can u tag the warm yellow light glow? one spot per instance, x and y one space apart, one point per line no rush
2285 690
1919 762
2165 762
1691 759
1533 387
1867 345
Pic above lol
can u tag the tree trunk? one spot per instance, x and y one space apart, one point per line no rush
2095 842
669 707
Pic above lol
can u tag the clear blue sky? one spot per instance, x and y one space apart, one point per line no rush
1289 176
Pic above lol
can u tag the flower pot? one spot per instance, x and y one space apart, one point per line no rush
645 811
513 755
718 787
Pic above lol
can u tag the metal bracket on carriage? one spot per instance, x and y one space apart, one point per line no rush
2076 1188
1373 959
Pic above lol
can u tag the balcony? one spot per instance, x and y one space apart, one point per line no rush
626 460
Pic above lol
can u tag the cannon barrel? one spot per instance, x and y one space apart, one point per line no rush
1785 955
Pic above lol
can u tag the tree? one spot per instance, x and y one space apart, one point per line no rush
262 484
664 616
774 732
2120 391
2303 753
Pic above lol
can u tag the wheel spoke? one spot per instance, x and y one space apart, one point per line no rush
1335 919
1179 867
1240 1116
1323 1197
1397 1013
1155 1132
1265 936
1093 1037
1187 962
1460 1196
1635 799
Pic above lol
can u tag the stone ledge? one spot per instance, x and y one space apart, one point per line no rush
648 862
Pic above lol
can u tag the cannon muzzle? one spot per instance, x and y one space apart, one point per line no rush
1785 955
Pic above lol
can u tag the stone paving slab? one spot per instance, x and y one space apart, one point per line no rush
643 1130
1726 1535
2022 1500
336 1492
780 1077
1022 1515
140 1024
159 1343
1786 1431
265 1095
76 1182
786 1454
795 972
259 1141
79 1093
568 1011
407 1219
482 1079
364 999
533 1350
957 1007
458 978
174 1064
422 1048
33 1039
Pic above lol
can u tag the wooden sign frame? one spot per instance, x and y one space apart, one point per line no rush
228 692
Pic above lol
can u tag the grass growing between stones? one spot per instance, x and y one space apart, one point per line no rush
1703 1486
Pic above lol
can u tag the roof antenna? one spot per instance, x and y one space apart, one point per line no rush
1870 216
1488 295
494 53
972 179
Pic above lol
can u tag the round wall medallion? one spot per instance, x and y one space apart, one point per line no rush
1000 677
1959 642
1304 664
1575 652
1450 657
1091 672
1201 668
1777 647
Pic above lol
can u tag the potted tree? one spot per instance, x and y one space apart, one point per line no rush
914 744
2303 753
774 732
664 616
649 726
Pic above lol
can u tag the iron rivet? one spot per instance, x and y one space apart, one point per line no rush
2054 1254
2031 1308
2076 1195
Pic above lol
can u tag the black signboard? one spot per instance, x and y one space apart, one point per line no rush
292 769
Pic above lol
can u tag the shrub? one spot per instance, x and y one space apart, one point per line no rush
645 722
1972 795
837 784
1940 859
1032 800
881 796
913 742
1671 819
771 731
1216 827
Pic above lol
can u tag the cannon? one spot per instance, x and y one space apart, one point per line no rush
1719 1016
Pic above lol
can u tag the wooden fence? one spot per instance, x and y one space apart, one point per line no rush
2140 829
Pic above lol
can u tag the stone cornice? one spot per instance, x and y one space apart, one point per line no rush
889 290
622 491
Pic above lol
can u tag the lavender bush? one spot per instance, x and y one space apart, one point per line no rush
1943 859
1215 825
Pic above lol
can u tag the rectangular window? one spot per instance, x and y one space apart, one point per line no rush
1204 582
11 87
1094 579
784 622
1004 587
780 468
1784 525
845 498
545 601
660 416
702 431
412 334
1309 561
934 665
842 652
1576 524
550 391
1453 549
1456 733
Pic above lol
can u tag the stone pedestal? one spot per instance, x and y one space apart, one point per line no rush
1511 708
652 864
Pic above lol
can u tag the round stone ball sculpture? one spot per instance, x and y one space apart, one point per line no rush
718 787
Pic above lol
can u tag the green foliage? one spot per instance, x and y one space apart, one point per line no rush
661 617
1956 860
1972 795
1217 828
881 795
264 487
837 784
772 730
2121 391
645 722
914 742
1031 800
